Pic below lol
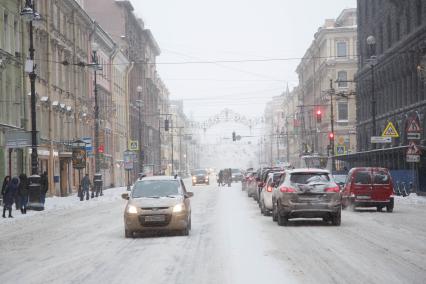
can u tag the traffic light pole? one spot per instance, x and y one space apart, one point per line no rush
332 126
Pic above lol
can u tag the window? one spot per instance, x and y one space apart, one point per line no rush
341 49
16 34
342 111
342 76
6 32
419 12
362 178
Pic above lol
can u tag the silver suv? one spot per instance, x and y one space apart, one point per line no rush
307 193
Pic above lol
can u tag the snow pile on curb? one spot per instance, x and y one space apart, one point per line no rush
60 203
411 199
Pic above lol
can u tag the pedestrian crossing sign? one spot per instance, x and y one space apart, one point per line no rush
340 150
390 131
133 145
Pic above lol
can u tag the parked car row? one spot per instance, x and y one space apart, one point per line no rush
287 194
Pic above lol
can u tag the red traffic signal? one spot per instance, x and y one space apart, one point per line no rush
101 149
319 115
331 136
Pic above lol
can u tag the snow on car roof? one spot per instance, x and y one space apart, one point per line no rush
309 170
160 178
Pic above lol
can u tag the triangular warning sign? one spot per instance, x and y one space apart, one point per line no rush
413 126
390 131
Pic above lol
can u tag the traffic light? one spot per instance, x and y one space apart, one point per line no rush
166 125
331 136
101 149
319 116
234 136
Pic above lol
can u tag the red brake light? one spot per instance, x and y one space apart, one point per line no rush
332 189
269 189
287 189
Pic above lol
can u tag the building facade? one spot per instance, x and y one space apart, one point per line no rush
327 89
13 101
391 85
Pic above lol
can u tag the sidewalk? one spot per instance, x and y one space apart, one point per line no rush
60 203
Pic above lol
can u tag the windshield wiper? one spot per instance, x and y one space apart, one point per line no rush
152 197
171 196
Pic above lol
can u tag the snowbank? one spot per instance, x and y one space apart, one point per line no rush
60 203
411 199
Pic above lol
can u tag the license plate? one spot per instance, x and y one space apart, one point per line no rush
363 197
155 218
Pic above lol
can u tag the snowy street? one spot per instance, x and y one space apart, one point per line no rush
230 242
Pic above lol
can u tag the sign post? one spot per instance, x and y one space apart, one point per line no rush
129 158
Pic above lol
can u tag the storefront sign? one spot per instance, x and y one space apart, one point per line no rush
128 160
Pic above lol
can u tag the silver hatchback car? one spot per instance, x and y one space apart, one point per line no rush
307 193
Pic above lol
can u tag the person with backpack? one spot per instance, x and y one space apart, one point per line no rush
85 187
23 191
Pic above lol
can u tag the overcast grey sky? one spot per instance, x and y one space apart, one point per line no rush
211 30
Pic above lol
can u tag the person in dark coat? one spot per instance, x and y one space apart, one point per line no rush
6 181
44 187
9 196
23 192
85 186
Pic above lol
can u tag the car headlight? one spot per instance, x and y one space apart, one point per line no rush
178 208
132 209
194 178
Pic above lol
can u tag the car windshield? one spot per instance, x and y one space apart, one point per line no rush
362 177
155 188
306 178
199 172
235 171
340 178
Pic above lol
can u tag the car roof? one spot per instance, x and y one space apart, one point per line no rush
309 170
159 178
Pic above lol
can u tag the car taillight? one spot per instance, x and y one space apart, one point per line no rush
269 189
332 189
287 189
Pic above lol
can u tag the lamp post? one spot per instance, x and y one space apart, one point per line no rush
94 64
29 14
97 177
371 42
331 137
139 90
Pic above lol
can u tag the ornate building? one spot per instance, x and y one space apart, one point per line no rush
390 83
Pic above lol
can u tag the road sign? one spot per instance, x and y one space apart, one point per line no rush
413 149
413 126
413 135
128 158
88 141
390 131
340 149
380 139
413 158
341 140
133 145
19 139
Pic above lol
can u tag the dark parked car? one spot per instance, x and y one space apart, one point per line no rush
307 193
237 175
369 187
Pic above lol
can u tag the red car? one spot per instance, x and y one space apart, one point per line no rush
368 187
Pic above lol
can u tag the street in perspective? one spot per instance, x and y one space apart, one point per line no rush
215 142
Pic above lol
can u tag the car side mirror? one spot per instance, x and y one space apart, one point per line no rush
189 194
125 196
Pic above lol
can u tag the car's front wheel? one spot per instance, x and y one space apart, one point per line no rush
128 233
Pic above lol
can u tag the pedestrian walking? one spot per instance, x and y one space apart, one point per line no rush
23 191
6 181
85 187
9 196
44 187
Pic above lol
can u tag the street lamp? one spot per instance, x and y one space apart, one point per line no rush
94 64
29 15
139 90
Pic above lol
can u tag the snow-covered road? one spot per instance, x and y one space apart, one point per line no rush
230 242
